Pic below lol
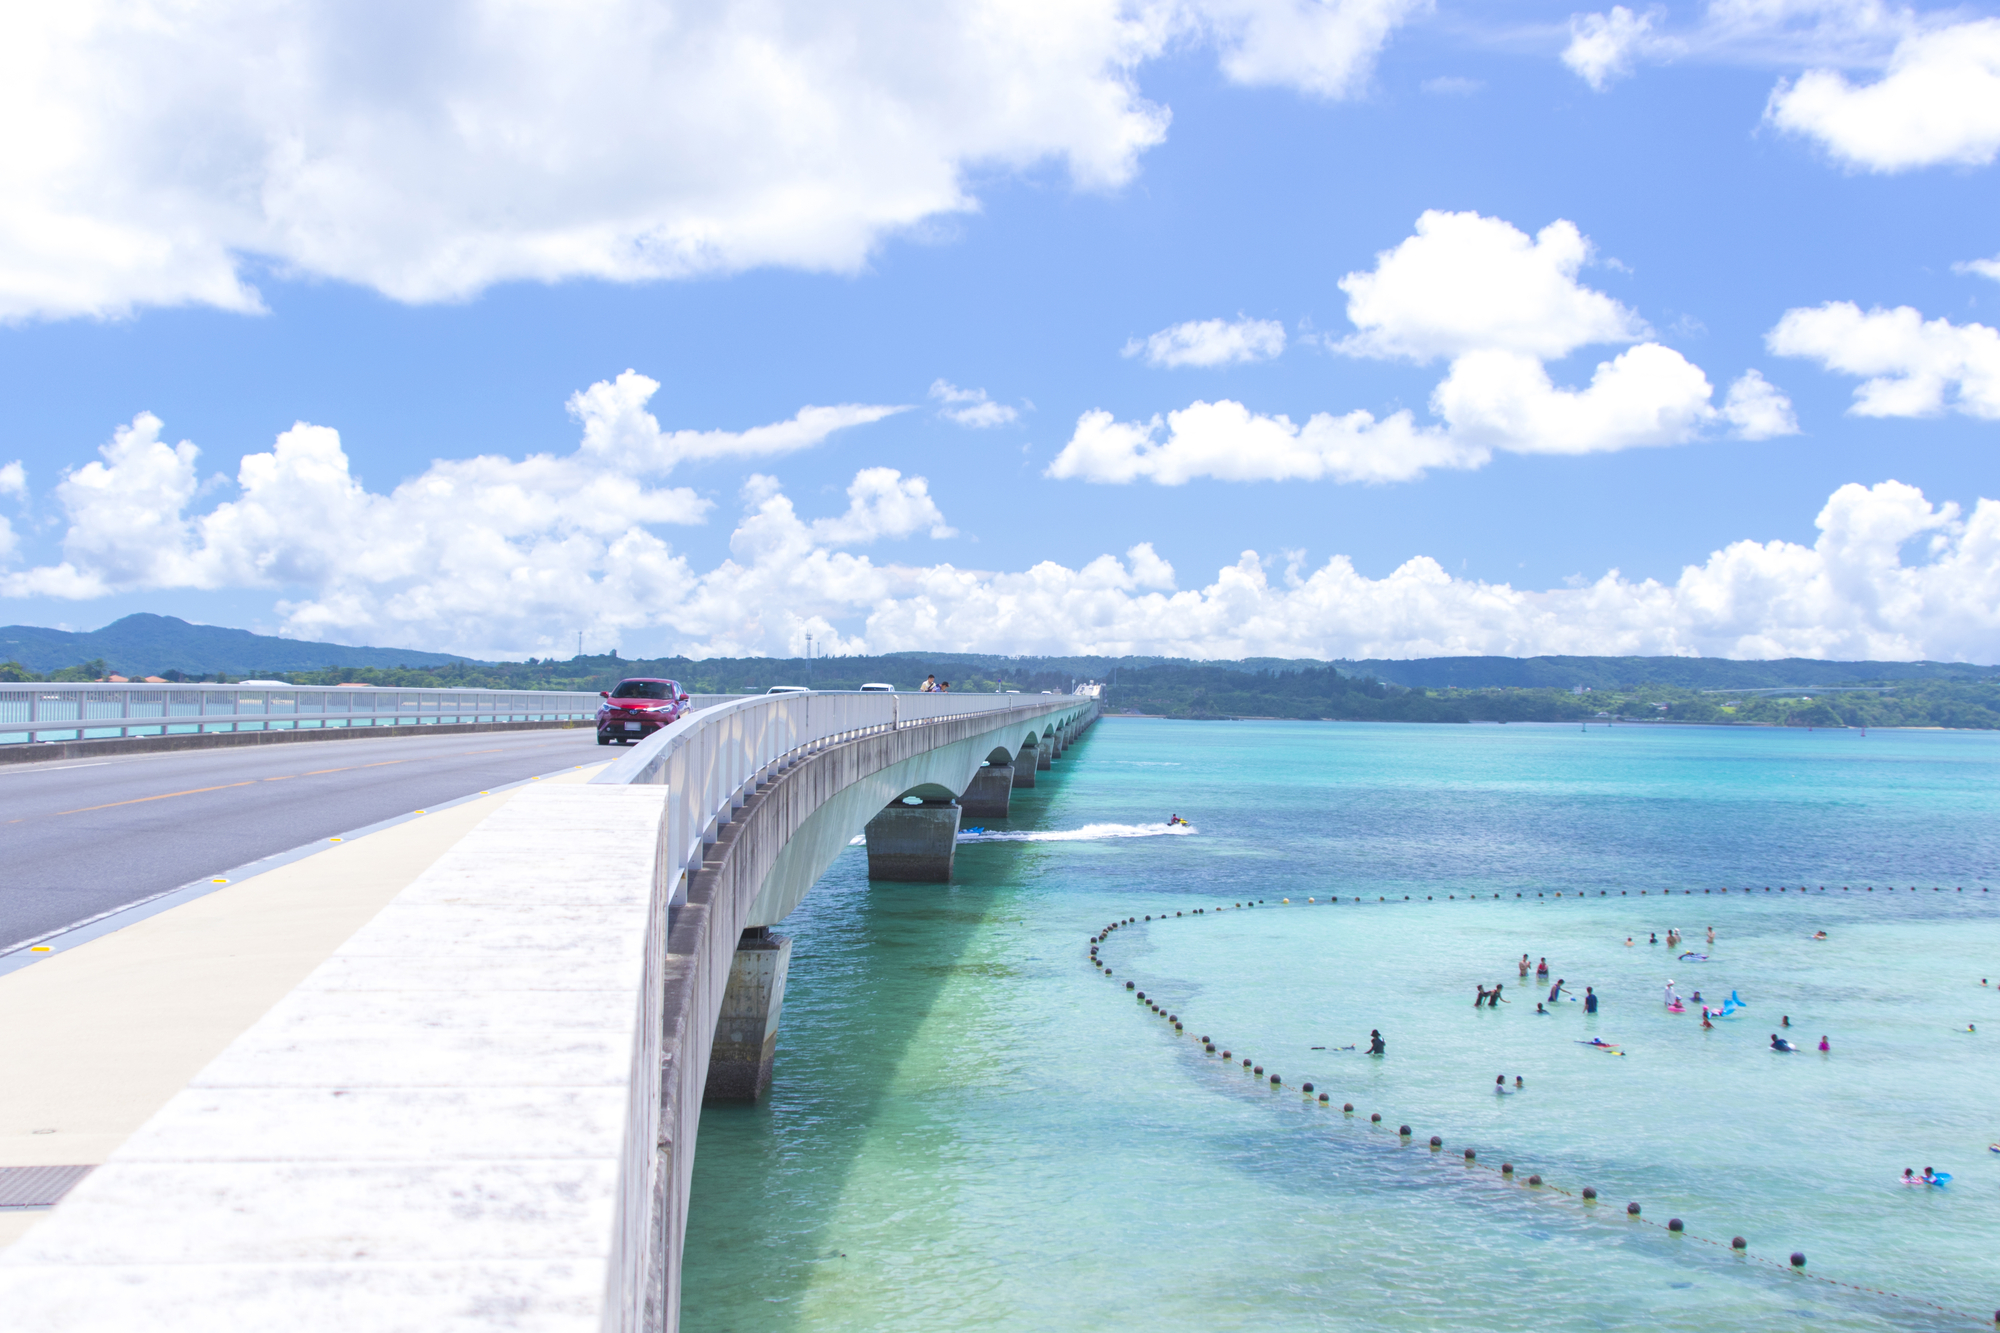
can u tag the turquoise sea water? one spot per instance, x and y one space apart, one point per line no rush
972 1128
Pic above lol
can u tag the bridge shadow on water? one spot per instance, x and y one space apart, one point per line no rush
778 1187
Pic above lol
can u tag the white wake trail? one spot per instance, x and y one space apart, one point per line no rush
1088 833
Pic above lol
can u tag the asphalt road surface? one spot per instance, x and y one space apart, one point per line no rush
81 837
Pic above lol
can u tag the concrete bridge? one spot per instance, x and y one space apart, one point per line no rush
478 1111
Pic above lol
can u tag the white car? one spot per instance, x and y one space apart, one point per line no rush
788 689
877 687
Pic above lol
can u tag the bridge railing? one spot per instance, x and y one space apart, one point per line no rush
64 712
711 760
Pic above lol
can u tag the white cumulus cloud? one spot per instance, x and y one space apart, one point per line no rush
1602 47
1465 283
491 556
1227 441
1498 305
159 153
970 407
1851 594
1914 367
1211 342
1937 103
1758 409
487 543
1323 47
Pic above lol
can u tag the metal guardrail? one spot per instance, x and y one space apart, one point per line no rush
43 712
711 760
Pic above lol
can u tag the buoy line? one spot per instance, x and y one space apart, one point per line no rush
1586 1197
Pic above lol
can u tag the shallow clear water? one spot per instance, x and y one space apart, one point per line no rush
973 1128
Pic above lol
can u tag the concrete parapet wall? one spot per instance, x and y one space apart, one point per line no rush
779 843
50 751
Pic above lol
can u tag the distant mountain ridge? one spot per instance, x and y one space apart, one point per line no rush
145 644
1615 673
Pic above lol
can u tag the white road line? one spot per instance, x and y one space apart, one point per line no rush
34 768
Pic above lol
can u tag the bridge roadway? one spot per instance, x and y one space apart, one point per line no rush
449 1076
82 837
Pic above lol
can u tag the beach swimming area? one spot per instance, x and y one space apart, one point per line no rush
971 1127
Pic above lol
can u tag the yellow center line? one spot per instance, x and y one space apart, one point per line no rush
163 796
251 782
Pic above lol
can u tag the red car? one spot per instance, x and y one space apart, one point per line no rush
634 709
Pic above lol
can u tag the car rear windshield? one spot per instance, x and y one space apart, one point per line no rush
645 689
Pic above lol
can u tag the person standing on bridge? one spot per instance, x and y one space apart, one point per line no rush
929 686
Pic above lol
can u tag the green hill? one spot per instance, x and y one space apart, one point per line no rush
149 645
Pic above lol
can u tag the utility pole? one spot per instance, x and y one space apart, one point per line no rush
579 643
809 661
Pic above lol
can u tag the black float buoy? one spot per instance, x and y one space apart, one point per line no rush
1209 1046
1436 1142
1506 1168
1674 1224
1347 1107
1274 1080
1142 995
1589 1193
1470 1155
1128 985
1375 1119
1738 1243
1307 1088
1322 1096
1536 1180
1798 1259
1631 1210
1258 1070
1225 1055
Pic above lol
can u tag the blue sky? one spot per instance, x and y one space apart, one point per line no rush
1214 160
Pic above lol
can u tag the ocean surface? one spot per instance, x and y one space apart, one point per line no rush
971 1127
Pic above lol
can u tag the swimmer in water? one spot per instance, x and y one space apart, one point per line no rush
1823 1046
1778 1043
1555 991
1500 1084
1376 1046
1819 934
1654 940
1482 998
1493 1000
1910 1176
1704 1019
1541 969
1671 999
1524 965
1589 1000
1711 934
1785 1021
1628 944
1518 1084
1538 1008
1930 1176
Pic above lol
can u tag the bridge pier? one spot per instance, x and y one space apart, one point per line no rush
1024 767
1045 753
991 788
746 1030
913 843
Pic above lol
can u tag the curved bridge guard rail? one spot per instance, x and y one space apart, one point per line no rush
741 780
